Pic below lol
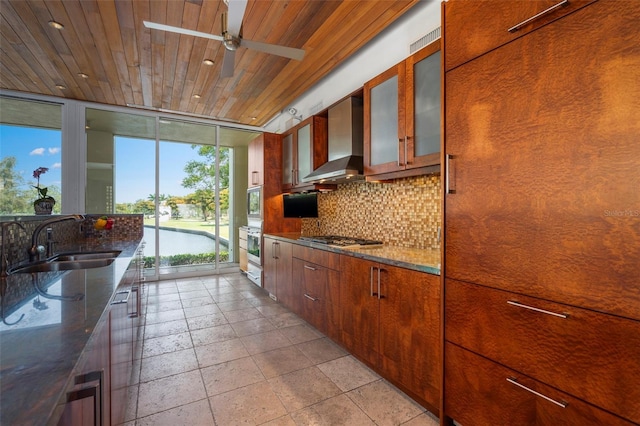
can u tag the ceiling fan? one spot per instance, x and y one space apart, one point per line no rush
232 37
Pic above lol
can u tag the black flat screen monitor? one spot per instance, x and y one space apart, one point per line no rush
300 205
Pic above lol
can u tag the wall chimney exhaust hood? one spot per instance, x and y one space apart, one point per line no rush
345 148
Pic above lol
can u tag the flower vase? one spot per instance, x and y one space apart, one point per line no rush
44 206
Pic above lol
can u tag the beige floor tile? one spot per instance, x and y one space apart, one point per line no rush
195 414
227 376
196 302
301 333
197 294
207 336
161 306
263 342
166 344
281 361
234 305
321 350
184 287
425 419
384 403
219 352
286 319
254 404
271 310
281 421
132 403
254 326
165 328
348 373
199 311
228 297
168 364
206 321
339 410
164 316
169 392
303 388
164 297
242 315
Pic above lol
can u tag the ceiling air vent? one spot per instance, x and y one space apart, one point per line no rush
424 40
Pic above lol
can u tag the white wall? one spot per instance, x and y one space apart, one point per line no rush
384 51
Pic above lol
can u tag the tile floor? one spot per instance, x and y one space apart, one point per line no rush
218 351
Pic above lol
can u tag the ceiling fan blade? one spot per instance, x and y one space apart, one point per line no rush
228 63
169 28
236 14
274 49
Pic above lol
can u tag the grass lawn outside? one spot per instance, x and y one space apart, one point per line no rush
195 225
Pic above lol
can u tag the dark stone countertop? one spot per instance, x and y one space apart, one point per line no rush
38 353
423 260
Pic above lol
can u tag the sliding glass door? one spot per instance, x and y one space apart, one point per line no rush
178 175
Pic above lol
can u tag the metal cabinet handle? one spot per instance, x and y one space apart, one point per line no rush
309 267
136 314
531 308
537 16
309 297
448 188
95 392
380 296
514 381
371 282
121 301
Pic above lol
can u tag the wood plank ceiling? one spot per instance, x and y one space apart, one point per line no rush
125 63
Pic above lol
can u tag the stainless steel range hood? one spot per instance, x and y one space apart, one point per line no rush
345 145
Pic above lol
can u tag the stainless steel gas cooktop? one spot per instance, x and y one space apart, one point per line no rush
341 241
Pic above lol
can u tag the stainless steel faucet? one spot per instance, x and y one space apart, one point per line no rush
35 250
4 260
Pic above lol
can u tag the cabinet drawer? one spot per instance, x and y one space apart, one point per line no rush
591 355
242 243
482 392
319 257
473 28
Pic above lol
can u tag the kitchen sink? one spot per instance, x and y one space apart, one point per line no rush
91 255
68 262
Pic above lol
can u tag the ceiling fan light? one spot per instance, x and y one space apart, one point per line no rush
60 86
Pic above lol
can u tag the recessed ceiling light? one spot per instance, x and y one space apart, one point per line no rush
60 86
208 62
56 25
254 118
196 96
83 75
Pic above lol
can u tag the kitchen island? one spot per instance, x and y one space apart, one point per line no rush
50 324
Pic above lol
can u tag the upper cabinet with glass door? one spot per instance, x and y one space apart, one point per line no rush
304 149
402 118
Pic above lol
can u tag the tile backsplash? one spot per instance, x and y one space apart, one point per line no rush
404 213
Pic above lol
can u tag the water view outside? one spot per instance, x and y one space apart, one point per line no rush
178 242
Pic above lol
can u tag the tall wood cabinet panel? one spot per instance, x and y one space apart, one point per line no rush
402 116
541 182
273 217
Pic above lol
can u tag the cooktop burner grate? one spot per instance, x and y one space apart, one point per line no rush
340 241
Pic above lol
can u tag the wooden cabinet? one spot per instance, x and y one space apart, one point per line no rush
402 117
271 166
256 162
316 272
276 270
391 320
486 393
242 245
542 163
304 149
560 345
474 28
